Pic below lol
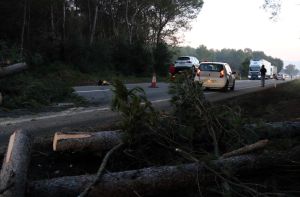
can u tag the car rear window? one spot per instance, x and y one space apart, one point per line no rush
183 58
211 67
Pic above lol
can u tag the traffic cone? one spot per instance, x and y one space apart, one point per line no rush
153 82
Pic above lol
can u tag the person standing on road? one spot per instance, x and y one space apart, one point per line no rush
263 75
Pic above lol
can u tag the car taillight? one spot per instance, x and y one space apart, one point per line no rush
172 69
221 73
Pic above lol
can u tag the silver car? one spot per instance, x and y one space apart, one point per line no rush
186 62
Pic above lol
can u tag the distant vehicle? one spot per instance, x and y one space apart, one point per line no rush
255 66
215 75
274 72
186 62
183 63
280 76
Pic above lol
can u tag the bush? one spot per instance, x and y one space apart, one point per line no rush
41 85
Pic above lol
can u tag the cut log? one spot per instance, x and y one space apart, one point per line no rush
13 175
12 69
247 149
102 141
76 141
159 180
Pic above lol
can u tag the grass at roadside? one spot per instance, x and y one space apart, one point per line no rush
274 104
46 85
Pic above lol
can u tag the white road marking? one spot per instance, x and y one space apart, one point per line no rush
70 112
87 91
160 100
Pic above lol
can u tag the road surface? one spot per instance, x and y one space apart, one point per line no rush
102 95
46 124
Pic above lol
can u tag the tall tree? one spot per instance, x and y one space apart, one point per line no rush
291 70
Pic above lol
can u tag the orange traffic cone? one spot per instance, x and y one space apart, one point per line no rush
153 83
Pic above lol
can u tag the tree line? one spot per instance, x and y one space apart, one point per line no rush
123 35
239 59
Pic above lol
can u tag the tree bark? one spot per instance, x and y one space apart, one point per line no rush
23 27
95 22
15 68
63 31
112 138
1 99
52 18
13 175
76 141
158 180
287 129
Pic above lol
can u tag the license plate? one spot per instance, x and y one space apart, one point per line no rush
210 81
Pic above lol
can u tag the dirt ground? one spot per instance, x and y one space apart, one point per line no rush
274 104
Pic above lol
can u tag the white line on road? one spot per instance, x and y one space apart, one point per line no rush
60 114
87 91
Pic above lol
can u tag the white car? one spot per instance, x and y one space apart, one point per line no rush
186 62
215 75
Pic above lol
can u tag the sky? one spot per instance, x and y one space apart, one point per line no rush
240 24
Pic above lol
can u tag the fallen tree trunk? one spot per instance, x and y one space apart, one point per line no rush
101 141
13 175
286 129
76 141
158 180
14 68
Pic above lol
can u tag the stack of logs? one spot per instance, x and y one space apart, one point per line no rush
150 181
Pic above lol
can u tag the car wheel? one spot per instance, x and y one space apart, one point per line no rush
225 88
233 86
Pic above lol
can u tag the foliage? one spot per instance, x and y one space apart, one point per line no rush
96 35
162 58
9 54
194 125
37 87
274 7
291 70
138 114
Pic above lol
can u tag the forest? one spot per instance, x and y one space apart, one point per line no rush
74 42
130 37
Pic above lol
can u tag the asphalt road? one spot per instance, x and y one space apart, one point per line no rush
45 124
102 95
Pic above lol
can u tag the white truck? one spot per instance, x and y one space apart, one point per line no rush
255 66
274 72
